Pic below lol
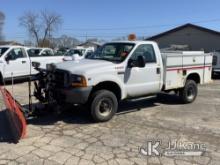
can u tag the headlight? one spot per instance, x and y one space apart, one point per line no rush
50 67
78 81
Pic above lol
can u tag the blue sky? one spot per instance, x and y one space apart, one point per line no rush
109 19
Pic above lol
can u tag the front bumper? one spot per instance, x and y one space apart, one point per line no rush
73 95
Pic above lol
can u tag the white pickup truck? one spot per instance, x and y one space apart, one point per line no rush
124 70
36 52
15 62
78 53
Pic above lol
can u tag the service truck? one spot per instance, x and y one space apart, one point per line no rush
15 62
124 70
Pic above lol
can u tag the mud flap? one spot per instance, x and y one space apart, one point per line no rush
14 115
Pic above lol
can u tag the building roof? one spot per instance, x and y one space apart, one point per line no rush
134 42
10 43
90 43
183 27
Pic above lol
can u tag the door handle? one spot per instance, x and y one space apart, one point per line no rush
158 70
23 62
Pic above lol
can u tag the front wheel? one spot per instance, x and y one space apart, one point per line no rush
103 105
1 79
189 93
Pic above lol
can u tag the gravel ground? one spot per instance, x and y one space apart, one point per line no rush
72 137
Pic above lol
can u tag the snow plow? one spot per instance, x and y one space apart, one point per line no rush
15 115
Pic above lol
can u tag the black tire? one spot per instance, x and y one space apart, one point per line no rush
1 79
189 93
103 105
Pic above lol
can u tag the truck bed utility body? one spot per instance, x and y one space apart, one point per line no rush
177 65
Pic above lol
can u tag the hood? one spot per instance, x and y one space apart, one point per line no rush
83 66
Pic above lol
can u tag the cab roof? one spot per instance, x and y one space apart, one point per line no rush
134 42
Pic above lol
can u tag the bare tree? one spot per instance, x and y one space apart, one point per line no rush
2 19
65 41
31 22
51 23
41 26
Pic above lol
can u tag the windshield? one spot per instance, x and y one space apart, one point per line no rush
3 50
114 52
33 52
71 52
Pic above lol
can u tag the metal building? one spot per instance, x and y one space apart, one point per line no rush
193 36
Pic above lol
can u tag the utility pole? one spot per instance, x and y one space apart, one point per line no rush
86 36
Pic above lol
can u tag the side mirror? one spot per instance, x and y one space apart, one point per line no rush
8 58
36 65
131 63
75 56
141 61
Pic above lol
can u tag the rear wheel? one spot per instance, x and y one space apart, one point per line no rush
189 93
1 79
103 105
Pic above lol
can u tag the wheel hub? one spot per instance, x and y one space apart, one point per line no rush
105 107
190 93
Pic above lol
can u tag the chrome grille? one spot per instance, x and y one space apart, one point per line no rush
61 78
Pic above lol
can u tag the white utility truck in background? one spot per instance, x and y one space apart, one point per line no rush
216 63
15 61
77 53
124 70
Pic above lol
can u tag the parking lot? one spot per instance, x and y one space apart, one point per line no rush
72 137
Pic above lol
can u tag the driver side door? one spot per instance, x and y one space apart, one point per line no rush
146 80
18 63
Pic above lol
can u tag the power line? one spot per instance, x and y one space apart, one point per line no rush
116 35
138 27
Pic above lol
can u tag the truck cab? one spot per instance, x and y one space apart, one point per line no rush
14 61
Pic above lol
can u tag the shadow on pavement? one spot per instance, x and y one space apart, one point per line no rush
216 76
17 81
81 115
76 115
5 133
